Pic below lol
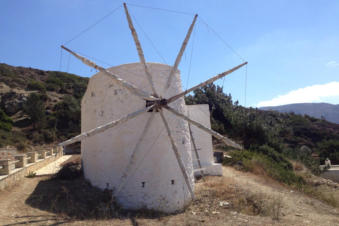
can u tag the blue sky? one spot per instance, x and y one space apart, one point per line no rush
292 46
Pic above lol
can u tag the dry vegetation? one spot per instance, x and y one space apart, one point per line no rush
237 198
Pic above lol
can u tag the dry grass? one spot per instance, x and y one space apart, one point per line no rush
219 190
316 187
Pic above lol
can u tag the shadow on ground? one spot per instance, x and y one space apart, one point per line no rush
68 194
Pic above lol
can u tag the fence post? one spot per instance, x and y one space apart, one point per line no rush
42 154
6 166
22 161
32 157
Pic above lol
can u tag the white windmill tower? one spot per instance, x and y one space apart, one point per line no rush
135 137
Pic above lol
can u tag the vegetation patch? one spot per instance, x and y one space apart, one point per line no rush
6 122
265 161
36 85
218 194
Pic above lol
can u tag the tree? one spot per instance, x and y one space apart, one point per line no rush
329 149
5 121
68 114
35 108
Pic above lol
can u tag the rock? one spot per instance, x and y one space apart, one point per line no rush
224 204
12 102
234 212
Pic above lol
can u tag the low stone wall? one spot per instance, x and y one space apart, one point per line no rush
332 173
16 174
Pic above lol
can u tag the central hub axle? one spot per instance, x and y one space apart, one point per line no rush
157 104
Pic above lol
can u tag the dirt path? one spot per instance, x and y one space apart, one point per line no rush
53 167
205 210
13 209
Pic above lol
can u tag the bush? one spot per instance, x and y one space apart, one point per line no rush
268 164
68 114
5 121
49 135
21 146
35 108
35 85
329 149
54 83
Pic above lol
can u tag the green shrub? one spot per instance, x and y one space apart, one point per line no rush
6 122
54 83
31 174
52 87
20 146
35 108
329 149
270 164
49 135
68 114
35 85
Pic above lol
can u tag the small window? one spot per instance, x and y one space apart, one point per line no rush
172 182
143 184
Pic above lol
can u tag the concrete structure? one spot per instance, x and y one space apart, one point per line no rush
7 165
203 141
155 180
21 161
331 173
11 174
32 157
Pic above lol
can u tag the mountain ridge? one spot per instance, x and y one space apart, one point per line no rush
327 111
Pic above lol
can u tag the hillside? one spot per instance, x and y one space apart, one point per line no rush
37 106
41 107
292 135
329 112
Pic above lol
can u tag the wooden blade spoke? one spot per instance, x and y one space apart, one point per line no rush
224 139
209 81
181 52
105 127
139 48
133 89
177 155
132 159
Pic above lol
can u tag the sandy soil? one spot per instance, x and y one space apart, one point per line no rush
219 201
53 167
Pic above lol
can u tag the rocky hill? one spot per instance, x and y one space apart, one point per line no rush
329 112
38 106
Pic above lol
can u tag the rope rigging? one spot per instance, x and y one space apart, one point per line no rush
150 40
92 25
210 28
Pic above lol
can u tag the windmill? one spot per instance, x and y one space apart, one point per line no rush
122 122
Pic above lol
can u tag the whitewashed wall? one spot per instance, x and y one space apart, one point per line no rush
106 155
203 141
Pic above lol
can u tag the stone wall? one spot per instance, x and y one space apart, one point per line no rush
332 173
17 172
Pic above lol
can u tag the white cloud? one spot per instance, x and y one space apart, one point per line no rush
332 64
315 93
